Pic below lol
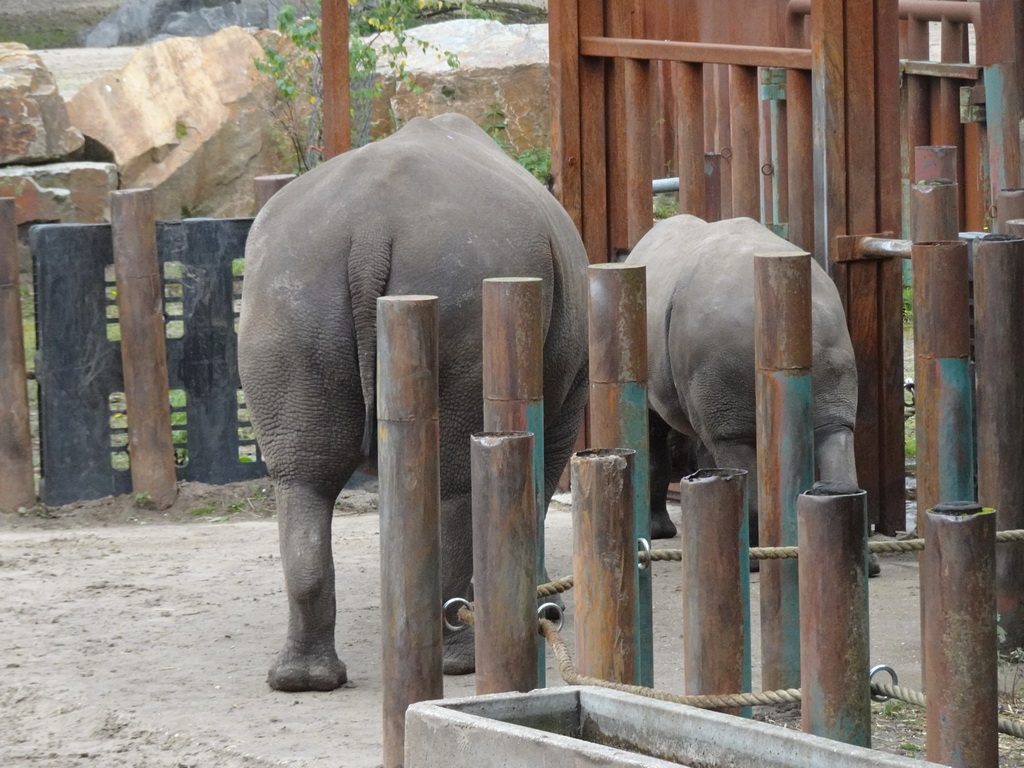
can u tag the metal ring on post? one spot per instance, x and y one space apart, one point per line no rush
444 613
892 674
558 611
645 545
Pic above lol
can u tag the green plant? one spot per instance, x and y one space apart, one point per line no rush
142 500
537 160
908 305
378 33
908 746
202 511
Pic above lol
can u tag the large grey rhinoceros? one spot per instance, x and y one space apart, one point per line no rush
433 209
700 326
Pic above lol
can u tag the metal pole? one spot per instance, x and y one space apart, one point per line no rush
834 648
999 376
604 563
935 162
513 363
945 410
715 538
410 501
959 635
800 140
1009 206
17 483
265 187
617 318
504 558
140 304
934 211
785 447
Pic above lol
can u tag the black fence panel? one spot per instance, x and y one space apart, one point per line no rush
82 423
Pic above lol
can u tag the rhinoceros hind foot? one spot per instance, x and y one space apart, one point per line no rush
320 672
662 526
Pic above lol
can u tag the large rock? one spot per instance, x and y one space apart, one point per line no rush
189 117
501 81
65 192
34 125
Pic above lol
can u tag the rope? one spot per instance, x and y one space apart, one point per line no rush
1009 727
782 553
571 676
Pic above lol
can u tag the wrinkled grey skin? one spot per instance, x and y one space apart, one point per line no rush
433 209
700 325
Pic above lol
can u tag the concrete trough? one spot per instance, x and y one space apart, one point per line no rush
589 727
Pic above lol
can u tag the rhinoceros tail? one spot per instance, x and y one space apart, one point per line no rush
369 267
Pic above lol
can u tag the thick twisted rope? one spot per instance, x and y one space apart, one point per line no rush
571 676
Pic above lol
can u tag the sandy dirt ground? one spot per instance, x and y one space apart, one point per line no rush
142 638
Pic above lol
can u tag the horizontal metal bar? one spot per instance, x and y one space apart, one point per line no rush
925 10
695 53
940 69
884 247
665 185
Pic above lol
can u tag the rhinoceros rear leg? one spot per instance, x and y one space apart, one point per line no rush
309 661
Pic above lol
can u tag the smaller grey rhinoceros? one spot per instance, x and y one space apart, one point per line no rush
433 209
700 326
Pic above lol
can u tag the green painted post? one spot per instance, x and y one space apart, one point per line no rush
785 447
618 409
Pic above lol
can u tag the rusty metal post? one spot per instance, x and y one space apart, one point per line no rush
834 647
265 187
945 410
410 502
715 537
513 363
785 447
999 389
17 483
959 635
617 319
934 211
935 162
504 558
604 563
337 120
140 305
1009 206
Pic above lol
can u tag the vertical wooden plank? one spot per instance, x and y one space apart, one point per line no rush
637 82
17 484
688 84
862 178
975 183
143 348
830 160
800 138
334 36
887 121
744 121
564 78
863 320
593 150
621 19
892 470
